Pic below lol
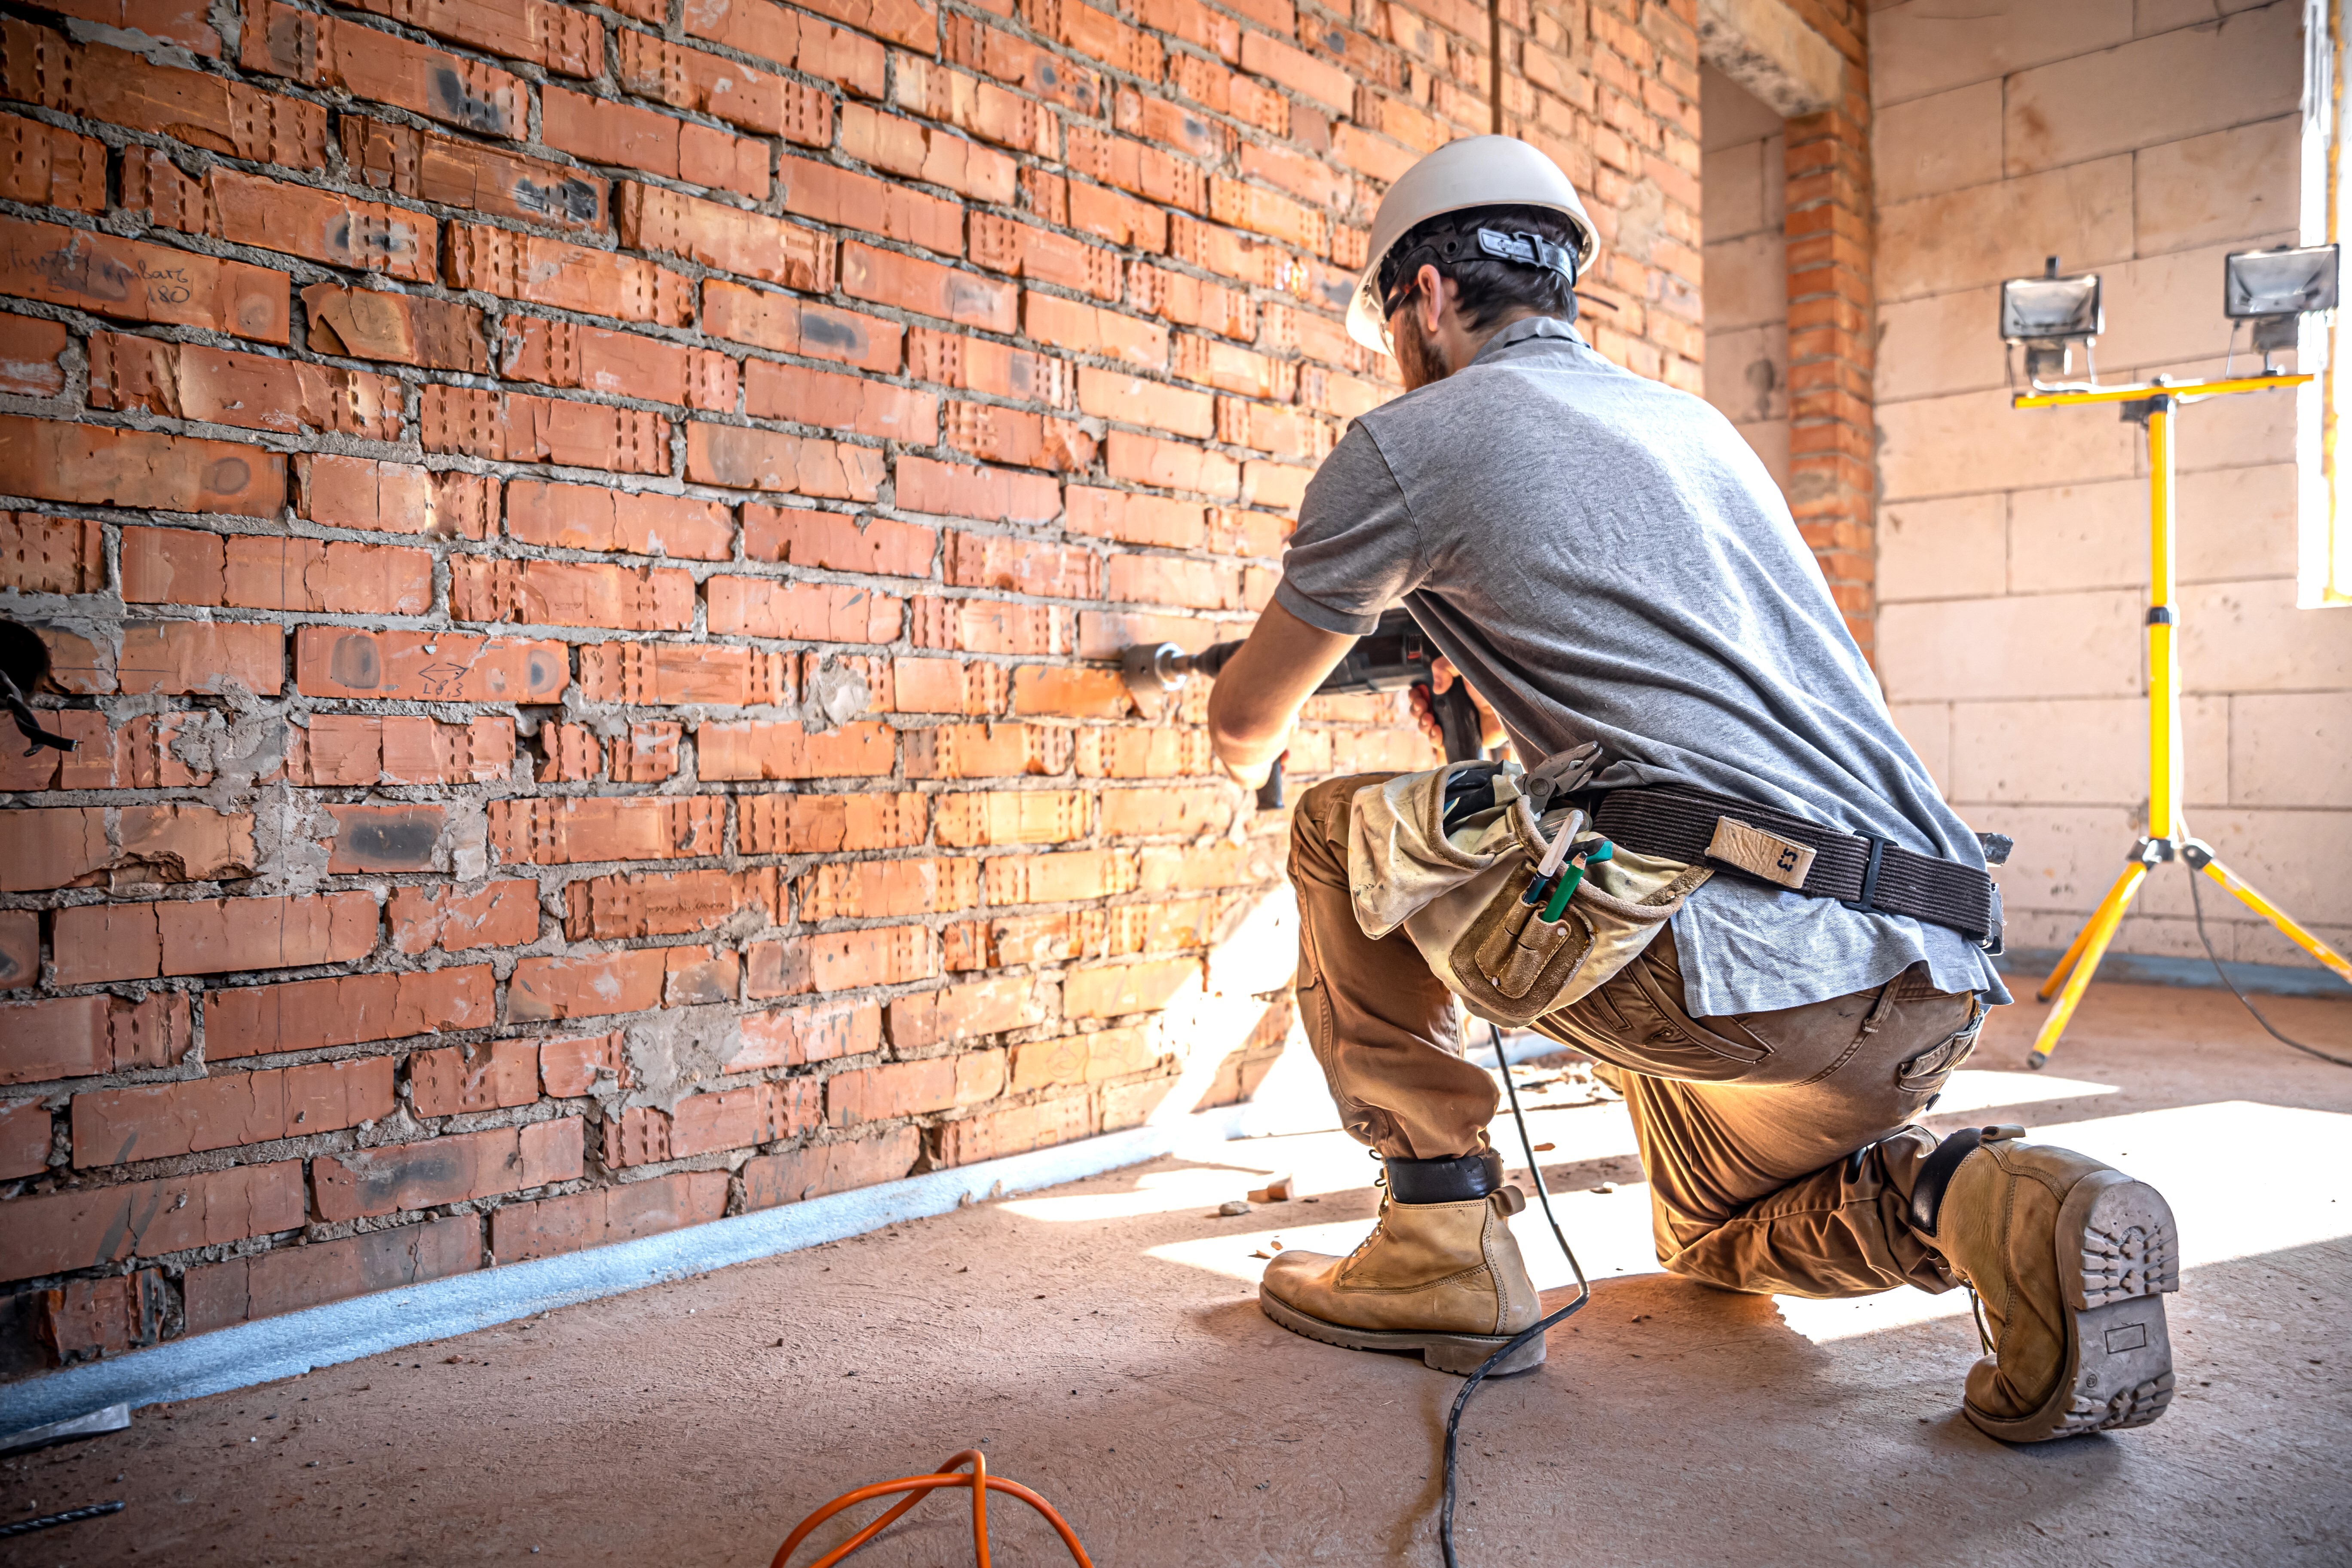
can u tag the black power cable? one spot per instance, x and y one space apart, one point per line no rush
1583 1294
2196 903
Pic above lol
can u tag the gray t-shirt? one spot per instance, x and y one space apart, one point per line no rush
1606 560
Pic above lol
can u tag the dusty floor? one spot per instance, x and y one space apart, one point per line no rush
1102 1341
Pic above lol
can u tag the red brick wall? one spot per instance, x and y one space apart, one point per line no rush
579 545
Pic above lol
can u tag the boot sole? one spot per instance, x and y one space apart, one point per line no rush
1460 1354
2118 1254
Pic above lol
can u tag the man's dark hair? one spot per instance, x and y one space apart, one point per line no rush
1487 288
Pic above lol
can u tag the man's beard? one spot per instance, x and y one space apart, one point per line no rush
1419 359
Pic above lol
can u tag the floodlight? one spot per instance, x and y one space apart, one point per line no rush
2282 282
2048 315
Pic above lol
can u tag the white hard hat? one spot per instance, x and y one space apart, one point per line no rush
1475 172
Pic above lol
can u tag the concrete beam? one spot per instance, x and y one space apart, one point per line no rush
1766 48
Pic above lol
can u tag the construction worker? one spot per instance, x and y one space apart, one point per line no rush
1605 559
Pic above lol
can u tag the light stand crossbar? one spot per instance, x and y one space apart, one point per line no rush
2155 404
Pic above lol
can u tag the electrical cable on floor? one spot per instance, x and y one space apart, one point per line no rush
51 1520
2196 903
1583 1294
980 1483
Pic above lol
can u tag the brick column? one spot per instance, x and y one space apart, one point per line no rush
1833 460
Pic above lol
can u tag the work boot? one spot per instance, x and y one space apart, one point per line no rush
1440 1274
2068 1259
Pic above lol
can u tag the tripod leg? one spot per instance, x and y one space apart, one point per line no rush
2246 893
2092 943
2117 896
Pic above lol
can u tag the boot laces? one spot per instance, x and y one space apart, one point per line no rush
1975 1311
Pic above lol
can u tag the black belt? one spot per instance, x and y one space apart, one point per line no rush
1862 872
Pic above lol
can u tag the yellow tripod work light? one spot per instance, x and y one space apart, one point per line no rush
2046 314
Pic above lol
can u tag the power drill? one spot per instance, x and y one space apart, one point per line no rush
1393 655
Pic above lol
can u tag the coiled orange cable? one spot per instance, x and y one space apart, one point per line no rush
979 1481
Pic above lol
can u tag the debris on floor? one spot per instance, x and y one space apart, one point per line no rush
1233 1206
1275 1191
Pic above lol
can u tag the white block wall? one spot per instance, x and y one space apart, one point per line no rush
2144 141
1746 292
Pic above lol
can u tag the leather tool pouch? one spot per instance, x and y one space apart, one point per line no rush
1461 895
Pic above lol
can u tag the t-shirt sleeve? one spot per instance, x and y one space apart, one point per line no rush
1356 550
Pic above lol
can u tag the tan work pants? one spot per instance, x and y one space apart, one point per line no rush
1778 1146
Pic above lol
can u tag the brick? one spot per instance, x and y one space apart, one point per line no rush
1001 819
565 353
321 52
1158 753
429 667
580 987
920 151
798 1175
666 904
1135 519
41 165
913 1088
757 100
1219 866
571 594
394 497
986 751
405 328
1045 690
1018 437
568 754
248 209
794 1036
389 1178
293 1278
964 1012
540 31
1023 250
786 751
833 194
572 1068
106 1316
117 1126
805 396
455 1079
1096 35
1121 989
1021 564
946 686
828 824
604 131
704 1124
61 846
601 1216
725 237
259 572
1059 878
78 1036
307 1015
541 272
29 348
841 961
781 323
835 541
1194 24
1113 395
122 88
991 625
976 364
738 458
1082 1059
594 517
91 1226
87 464
515 427
926 288
1194 302
20 948
1171 465
387 839
1167 580
995 495
25 1136
399 748
1141 168
648 754
200 656
869 890
828 612
561 832
666 673
1017 1129
55 847
1038 72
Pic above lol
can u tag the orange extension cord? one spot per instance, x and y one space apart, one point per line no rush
979 1481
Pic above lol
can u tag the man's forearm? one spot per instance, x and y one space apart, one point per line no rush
1258 694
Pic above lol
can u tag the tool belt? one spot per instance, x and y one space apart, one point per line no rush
1861 871
1465 883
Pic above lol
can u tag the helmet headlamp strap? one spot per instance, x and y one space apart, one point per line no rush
1521 248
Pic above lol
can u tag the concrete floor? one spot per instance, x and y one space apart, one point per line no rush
1102 1341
